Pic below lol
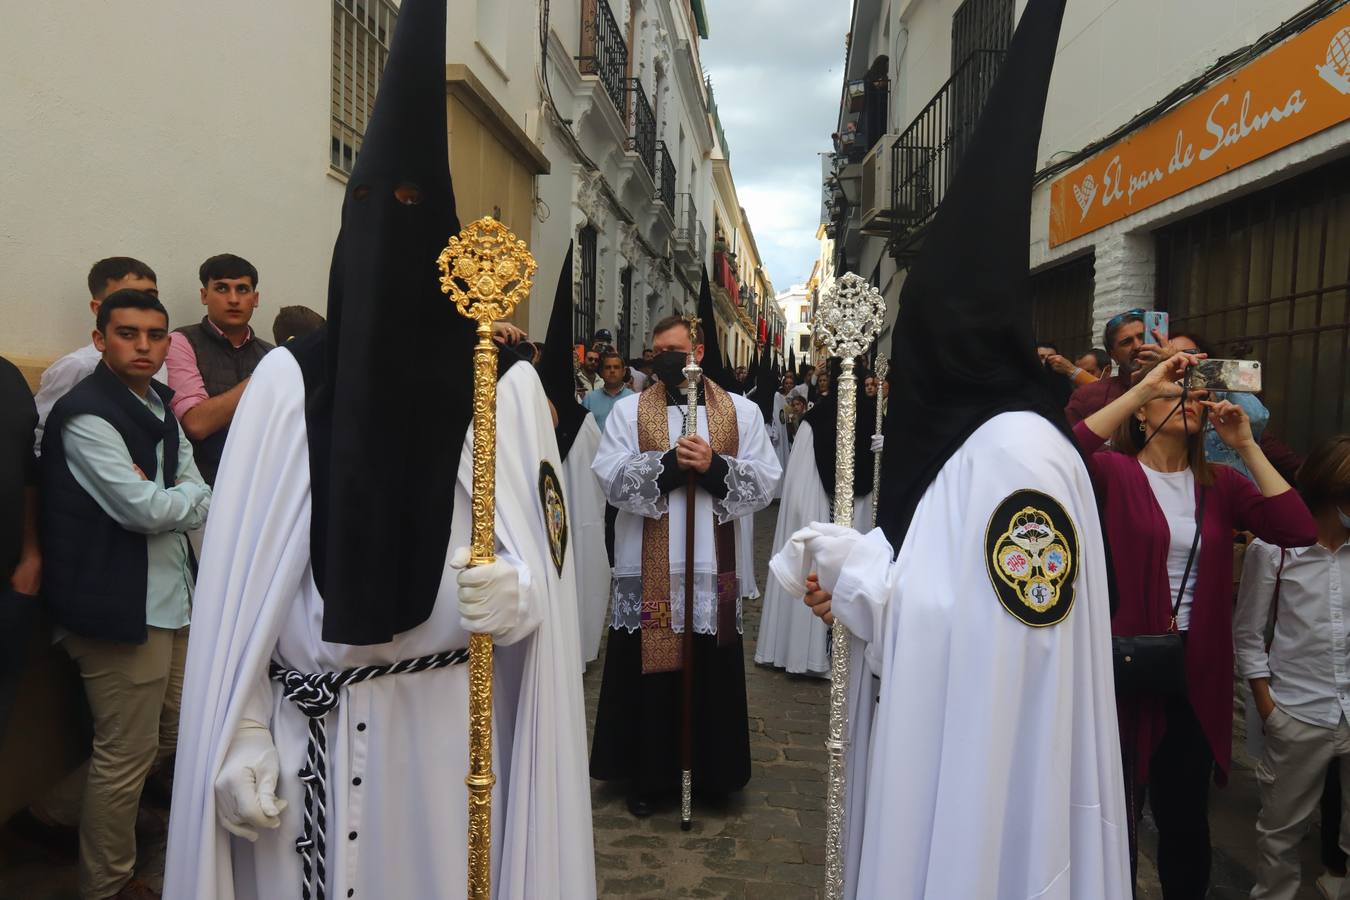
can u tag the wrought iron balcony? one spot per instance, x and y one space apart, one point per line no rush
665 181
641 126
603 50
691 238
927 154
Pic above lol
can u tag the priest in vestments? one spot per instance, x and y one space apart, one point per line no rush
644 465
323 744
790 636
983 757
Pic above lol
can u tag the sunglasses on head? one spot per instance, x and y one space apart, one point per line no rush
1117 320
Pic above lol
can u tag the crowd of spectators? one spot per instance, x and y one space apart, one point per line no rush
105 482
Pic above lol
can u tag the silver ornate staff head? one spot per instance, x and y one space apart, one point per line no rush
850 315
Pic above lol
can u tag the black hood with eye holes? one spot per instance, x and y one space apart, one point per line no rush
389 381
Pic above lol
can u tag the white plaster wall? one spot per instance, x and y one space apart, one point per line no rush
168 132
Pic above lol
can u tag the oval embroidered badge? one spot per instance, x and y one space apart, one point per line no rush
1031 550
555 513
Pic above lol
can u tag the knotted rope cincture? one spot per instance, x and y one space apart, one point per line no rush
317 695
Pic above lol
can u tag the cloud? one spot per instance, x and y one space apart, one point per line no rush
776 68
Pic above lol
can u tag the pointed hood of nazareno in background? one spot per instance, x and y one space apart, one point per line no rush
963 350
558 369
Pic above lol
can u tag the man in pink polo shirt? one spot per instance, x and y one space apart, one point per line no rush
209 363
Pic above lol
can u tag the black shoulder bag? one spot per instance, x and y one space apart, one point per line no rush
1156 663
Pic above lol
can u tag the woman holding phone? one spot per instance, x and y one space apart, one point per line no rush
1169 519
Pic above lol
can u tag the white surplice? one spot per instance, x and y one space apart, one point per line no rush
791 637
397 745
629 479
586 524
991 765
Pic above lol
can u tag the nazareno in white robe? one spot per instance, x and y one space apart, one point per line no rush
405 736
778 435
586 526
991 767
628 477
792 637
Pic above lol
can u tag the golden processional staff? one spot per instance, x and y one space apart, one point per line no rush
486 270
849 316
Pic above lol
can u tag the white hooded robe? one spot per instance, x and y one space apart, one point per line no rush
992 768
398 747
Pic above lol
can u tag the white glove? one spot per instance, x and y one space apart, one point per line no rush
878 441
246 788
827 549
773 436
489 596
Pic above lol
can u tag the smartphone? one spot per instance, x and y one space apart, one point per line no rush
1240 375
1154 321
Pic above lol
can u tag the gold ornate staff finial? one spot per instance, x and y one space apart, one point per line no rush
486 271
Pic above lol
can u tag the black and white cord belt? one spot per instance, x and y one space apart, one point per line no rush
317 695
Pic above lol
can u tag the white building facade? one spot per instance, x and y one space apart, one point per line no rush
1195 158
588 125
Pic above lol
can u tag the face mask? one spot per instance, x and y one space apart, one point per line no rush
669 367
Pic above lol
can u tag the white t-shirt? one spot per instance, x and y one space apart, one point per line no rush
1175 493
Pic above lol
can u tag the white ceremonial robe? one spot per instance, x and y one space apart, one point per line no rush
992 768
778 435
405 735
586 524
792 637
629 478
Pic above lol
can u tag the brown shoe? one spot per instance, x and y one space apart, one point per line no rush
57 843
135 889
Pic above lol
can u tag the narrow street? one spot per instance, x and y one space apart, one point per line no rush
768 842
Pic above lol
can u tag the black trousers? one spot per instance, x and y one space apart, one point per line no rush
1179 775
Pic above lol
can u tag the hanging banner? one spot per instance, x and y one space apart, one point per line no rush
1292 91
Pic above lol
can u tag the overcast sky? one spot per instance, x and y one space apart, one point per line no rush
776 68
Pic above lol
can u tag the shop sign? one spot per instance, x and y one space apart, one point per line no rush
1296 89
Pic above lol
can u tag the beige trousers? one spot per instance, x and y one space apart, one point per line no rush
1290 776
134 693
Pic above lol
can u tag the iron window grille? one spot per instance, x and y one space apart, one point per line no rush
362 30
583 320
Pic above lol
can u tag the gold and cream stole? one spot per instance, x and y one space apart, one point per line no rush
660 644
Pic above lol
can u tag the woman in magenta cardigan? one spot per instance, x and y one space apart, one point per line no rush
1149 484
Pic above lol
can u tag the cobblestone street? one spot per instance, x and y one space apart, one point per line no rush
768 842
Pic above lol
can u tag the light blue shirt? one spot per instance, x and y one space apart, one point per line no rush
600 402
102 465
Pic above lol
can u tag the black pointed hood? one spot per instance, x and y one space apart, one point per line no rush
393 345
963 351
714 363
792 363
823 418
558 368
766 385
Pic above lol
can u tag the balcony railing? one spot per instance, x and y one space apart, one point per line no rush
665 182
926 155
603 51
641 126
689 231
725 277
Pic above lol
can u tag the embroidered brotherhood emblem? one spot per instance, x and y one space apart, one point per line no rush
1031 549
555 514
